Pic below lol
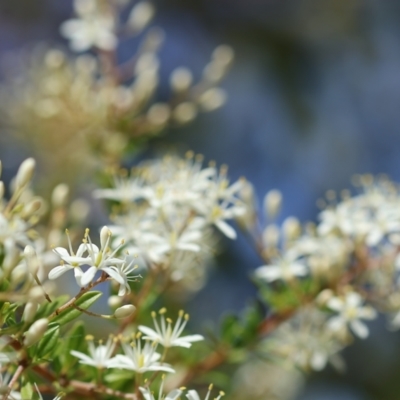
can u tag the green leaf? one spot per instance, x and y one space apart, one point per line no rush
47 309
85 301
118 375
230 328
49 340
27 391
74 340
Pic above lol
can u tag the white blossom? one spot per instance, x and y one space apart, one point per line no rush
351 312
92 28
139 358
100 356
285 268
168 336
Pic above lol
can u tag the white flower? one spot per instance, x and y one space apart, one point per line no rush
351 311
91 29
173 395
13 231
285 268
168 336
100 356
139 359
70 260
305 341
101 259
121 274
193 395
125 190
89 254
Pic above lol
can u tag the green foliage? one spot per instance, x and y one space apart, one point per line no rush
49 341
283 297
240 331
70 313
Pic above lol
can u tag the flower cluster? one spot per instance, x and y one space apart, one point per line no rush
97 105
166 209
97 259
344 269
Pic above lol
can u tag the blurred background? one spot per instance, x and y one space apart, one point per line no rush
314 97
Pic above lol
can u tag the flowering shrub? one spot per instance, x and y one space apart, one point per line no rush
317 286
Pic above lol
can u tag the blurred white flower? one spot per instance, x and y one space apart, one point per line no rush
351 312
92 28
285 268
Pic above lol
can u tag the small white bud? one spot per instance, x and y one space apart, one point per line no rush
291 228
114 302
272 203
271 236
29 311
32 207
140 15
223 54
79 210
36 332
124 311
11 258
181 79
25 173
212 99
54 59
31 259
185 112
159 114
60 194
105 234
246 193
147 62
36 294
85 7
324 297
19 274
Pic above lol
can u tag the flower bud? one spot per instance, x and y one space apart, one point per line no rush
181 79
29 251
324 297
25 173
36 294
124 311
271 236
12 257
19 274
272 203
223 54
32 207
141 15
159 114
212 99
29 311
59 196
105 234
185 112
79 210
114 301
31 259
291 228
36 332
